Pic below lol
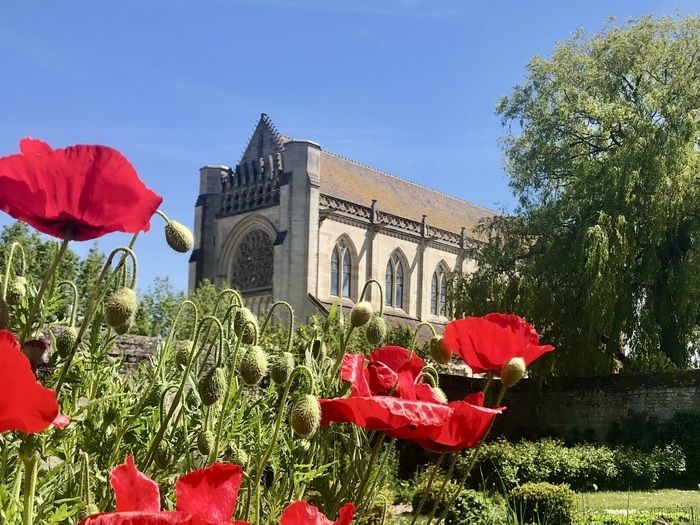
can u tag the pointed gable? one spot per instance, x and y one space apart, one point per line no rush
264 141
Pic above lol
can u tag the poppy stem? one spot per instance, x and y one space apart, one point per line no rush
428 486
74 305
42 288
31 466
370 463
415 335
8 266
290 330
381 294
472 462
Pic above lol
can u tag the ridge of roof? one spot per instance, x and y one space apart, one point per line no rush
280 139
417 185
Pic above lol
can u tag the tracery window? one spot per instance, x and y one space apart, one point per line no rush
252 262
438 292
341 270
393 286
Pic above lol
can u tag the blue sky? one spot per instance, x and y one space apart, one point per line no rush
407 86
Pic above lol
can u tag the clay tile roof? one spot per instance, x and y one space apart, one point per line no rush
350 181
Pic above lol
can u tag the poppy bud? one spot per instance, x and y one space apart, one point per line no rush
65 341
182 353
178 236
16 290
439 350
513 371
4 315
36 351
205 442
360 314
234 454
124 328
164 455
440 394
154 395
306 415
281 368
242 326
376 330
212 386
120 307
253 365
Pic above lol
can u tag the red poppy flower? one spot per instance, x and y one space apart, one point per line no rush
384 395
24 404
463 429
204 497
91 190
489 342
303 513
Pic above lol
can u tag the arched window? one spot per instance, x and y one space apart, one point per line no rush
341 270
393 289
252 262
438 292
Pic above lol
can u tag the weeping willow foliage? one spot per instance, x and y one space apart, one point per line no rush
602 148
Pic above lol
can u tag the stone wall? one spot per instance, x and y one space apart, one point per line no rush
585 408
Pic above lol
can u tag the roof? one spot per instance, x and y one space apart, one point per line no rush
354 182
351 181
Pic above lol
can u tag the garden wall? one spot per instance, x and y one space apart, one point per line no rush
585 408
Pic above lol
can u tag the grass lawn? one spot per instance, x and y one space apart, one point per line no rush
640 500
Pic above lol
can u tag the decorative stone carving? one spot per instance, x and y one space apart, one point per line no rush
252 262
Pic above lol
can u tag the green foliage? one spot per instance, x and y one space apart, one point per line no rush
431 493
471 508
601 150
501 466
544 503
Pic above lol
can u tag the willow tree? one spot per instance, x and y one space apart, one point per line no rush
602 147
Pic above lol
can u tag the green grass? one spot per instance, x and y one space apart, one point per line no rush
640 500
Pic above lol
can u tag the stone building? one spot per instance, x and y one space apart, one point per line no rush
296 222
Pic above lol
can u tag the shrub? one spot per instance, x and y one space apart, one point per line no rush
471 508
544 503
422 487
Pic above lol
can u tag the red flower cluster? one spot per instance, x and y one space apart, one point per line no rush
204 497
487 343
302 513
386 395
25 404
87 190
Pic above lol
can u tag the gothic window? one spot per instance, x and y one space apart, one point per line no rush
438 293
394 289
252 262
341 270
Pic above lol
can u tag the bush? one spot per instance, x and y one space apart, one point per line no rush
544 503
471 507
421 487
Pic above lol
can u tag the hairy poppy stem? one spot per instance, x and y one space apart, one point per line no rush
381 293
42 288
31 467
255 485
368 471
290 329
74 303
8 265
415 335
470 466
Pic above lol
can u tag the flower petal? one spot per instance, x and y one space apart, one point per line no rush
133 490
210 493
303 513
354 372
24 404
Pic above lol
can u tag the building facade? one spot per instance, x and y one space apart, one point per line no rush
292 221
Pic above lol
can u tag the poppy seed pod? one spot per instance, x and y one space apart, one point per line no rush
242 325
183 351
306 415
376 330
164 455
65 341
88 509
205 442
212 386
253 365
513 371
281 367
120 307
178 236
360 314
439 350
318 349
234 454
16 290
